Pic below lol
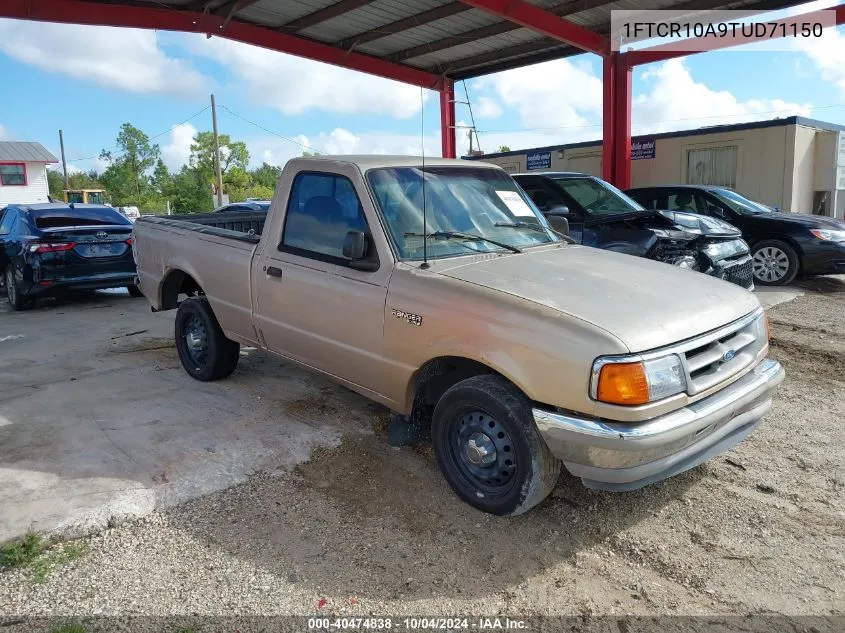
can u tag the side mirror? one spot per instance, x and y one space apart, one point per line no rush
559 224
354 245
557 211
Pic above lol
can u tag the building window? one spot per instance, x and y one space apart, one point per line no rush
13 174
712 166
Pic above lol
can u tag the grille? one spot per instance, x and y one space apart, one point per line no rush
669 250
740 273
718 356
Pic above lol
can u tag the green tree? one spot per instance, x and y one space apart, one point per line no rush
234 157
126 176
266 176
161 179
56 184
503 148
190 192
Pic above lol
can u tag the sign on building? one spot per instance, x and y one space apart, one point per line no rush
644 148
539 160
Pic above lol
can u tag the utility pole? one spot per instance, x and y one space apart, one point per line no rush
217 154
470 142
64 163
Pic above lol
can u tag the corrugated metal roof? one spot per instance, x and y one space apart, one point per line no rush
439 36
25 152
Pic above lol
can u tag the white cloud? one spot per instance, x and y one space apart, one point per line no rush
178 147
827 54
294 85
675 101
123 59
276 151
487 108
558 94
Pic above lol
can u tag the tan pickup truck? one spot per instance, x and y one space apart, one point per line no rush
441 292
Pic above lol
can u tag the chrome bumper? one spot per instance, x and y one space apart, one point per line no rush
625 455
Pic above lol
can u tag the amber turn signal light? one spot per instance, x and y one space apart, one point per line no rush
623 383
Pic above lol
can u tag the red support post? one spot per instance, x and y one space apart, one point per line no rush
622 123
616 120
447 119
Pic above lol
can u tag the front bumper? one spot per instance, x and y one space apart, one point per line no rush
621 456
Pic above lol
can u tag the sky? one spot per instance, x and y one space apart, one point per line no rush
87 81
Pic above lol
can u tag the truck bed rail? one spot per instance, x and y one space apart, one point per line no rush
242 226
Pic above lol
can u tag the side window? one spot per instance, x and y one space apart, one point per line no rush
708 207
681 201
7 221
321 210
648 199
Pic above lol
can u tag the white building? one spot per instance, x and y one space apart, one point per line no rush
23 172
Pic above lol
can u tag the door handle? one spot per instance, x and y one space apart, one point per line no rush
273 271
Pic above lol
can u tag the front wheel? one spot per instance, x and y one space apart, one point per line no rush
489 449
774 263
204 350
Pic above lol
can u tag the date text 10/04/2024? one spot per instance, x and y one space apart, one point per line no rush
417 623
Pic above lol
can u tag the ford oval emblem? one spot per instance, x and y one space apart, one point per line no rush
728 355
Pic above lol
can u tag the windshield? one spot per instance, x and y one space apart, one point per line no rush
598 197
481 202
740 204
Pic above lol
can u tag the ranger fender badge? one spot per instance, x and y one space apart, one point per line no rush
412 319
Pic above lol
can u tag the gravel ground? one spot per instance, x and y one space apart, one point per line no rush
368 529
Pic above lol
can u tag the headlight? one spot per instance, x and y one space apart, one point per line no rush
829 236
721 250
639 382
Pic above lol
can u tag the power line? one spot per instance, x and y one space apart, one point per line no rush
152 138
281 136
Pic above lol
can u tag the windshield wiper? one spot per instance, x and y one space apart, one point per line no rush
527 225
445 235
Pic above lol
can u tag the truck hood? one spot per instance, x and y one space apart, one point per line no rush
645 304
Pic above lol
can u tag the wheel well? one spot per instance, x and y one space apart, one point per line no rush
435 377
177 283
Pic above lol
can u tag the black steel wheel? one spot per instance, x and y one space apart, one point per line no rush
204 350
489 449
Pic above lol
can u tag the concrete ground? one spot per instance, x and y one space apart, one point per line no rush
99 423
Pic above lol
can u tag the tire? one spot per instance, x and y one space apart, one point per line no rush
489 449
204 350
13 294
134 291
774 263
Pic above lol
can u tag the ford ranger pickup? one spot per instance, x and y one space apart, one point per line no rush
439 290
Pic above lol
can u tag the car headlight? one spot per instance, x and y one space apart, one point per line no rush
629 381
829 235
722 250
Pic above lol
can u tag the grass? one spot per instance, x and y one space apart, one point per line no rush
34 553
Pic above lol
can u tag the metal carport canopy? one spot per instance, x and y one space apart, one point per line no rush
427 43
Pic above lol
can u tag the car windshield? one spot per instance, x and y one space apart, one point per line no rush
461 203
740 204
597 197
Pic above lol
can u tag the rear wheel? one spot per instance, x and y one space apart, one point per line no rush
134 291
774 263
204 350
13 293
489 449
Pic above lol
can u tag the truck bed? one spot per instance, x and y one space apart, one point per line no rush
236 225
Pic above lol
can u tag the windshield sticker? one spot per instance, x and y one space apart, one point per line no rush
515 203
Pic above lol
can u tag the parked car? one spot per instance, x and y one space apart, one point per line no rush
47 249
782 244
441 293
248 206
600 215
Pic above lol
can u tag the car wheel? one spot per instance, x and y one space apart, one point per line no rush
489 449
204 350
134 291
774 263
13 293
